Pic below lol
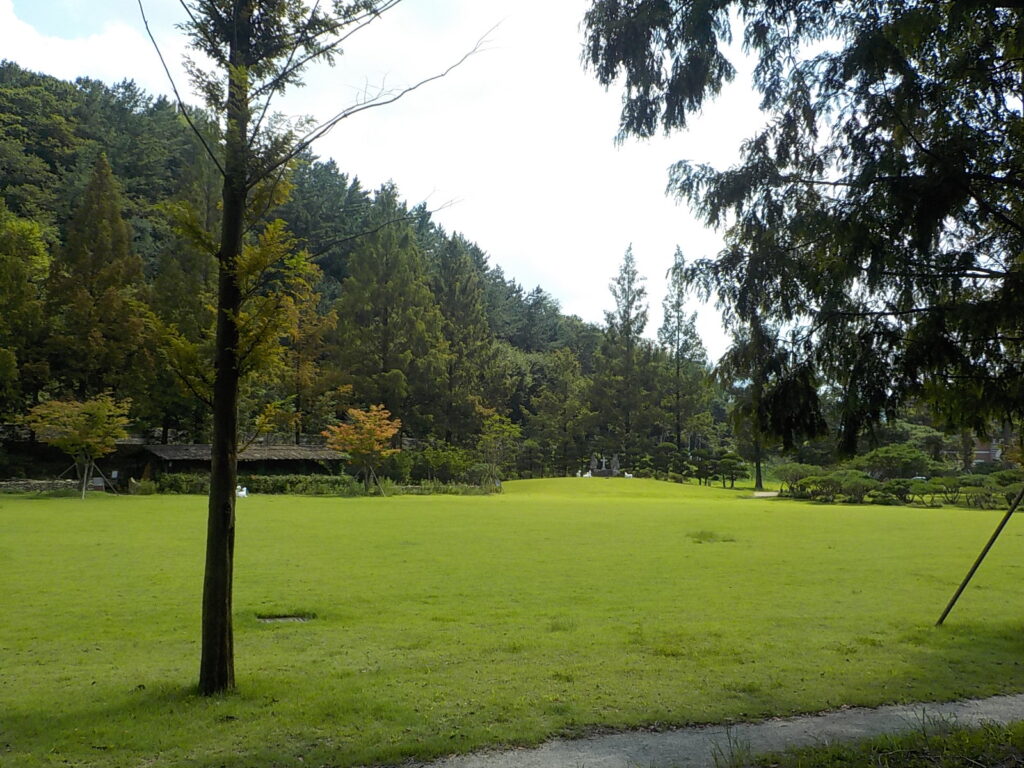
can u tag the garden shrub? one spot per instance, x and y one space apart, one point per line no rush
792 473
882 498
893 461
949 487
142 487
856 489
184 482
1010 492
397 467
898 487
924 492
441 461
821 487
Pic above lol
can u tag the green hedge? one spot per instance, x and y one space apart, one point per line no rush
309 485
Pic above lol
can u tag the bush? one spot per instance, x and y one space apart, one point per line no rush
791 474
142 487
856 489
924 492
302 485
949 487
397 467
182 482
899 487
820 487
893 461
882 498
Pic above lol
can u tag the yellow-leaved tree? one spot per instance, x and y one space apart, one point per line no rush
366 438
85 430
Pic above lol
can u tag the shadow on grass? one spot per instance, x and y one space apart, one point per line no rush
260 726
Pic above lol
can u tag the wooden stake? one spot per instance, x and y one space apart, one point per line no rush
977 563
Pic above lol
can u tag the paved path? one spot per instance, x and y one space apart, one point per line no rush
698 746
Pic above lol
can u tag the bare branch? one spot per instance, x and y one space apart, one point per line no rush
299 39
360 21
378 101
177 96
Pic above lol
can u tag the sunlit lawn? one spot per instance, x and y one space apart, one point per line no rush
446 623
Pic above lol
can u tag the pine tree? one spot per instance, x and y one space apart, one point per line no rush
389 334
24 262
559 414
622 381
94 296
686 391
459 294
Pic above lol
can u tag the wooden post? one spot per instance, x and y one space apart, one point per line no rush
977 563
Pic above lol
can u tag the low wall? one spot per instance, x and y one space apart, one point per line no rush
35 486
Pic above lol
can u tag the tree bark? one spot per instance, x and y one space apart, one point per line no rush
758 483
217 666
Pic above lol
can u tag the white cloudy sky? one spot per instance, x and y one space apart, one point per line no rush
519 140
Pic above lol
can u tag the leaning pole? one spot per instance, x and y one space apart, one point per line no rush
977 563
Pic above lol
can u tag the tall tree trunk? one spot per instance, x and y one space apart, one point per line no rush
758 483
217 666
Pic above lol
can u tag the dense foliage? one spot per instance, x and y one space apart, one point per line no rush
352 299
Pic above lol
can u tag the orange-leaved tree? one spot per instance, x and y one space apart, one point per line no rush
366 438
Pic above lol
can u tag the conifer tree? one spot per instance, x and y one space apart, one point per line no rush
623 373
24 262
458 291
389 333
686 391
94 291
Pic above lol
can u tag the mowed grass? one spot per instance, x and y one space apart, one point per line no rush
445 624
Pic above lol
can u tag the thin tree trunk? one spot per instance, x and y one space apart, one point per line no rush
758 483
217 666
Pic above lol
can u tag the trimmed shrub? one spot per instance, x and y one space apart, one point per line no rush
950 488
182 482
856 489
882 498
898 487
821 487
791 474
924 492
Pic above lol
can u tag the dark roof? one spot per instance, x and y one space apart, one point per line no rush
252 453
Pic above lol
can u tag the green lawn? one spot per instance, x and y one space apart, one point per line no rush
448 623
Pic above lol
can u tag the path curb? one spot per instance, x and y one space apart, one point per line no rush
697 747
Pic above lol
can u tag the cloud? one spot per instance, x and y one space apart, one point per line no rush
120 50
520 137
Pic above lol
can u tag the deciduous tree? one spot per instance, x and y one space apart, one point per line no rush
366 438
83 429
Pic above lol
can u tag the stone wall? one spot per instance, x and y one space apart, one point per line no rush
35 486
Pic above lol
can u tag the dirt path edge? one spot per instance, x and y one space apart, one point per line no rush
698 746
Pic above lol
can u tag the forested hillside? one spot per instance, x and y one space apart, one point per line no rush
354 298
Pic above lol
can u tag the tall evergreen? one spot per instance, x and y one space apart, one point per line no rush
621 382
94 291
24 262
687 358
458 291
389 335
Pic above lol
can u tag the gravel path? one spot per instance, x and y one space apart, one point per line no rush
698 746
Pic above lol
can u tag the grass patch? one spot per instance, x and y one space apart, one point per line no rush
708 537
944 746
445 624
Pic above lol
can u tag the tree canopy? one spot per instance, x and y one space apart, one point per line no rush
878 211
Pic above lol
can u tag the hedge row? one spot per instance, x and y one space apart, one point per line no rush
301 485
